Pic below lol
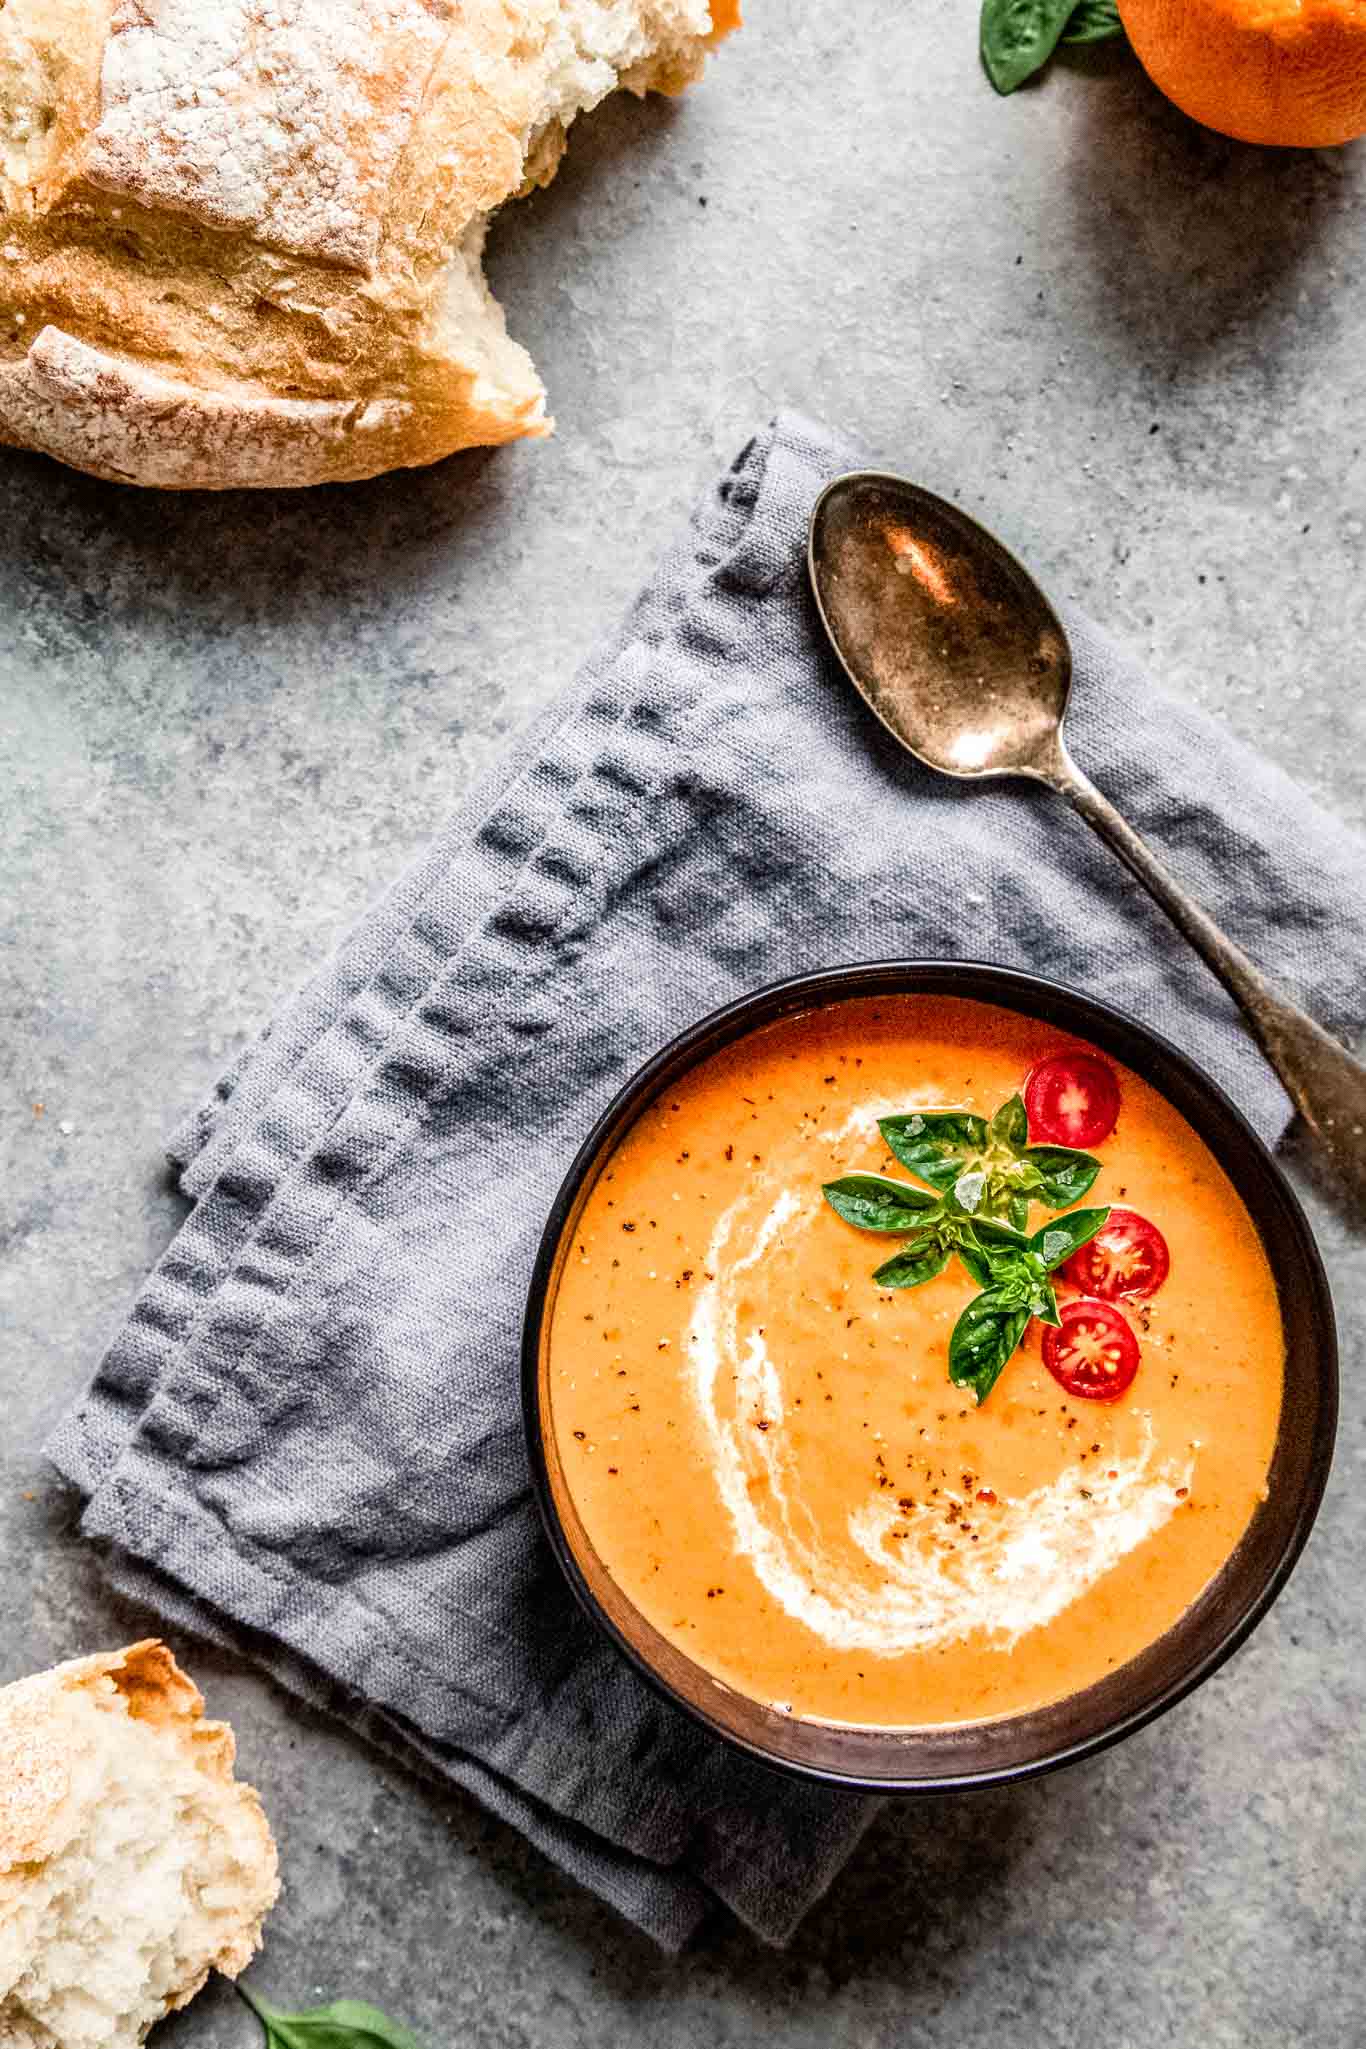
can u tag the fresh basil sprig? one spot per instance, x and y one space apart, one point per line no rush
345 2024
1014 1277
986 1176
990 1168
1019 36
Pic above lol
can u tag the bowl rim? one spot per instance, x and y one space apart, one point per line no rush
994 983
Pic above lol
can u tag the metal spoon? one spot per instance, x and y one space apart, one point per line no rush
963 659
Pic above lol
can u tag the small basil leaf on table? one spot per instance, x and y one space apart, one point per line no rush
984 1337
345 2024
1019 37
1062 1236
923 1259
1093 21
1064 1174
1010 1125
877 1203
938 1145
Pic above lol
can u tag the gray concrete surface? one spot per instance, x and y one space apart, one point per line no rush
224 725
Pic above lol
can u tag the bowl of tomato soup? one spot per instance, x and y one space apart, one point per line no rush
929 1376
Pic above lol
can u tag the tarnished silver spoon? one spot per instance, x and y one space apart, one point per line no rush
963 659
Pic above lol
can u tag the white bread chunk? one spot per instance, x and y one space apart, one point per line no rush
240 239
131 1861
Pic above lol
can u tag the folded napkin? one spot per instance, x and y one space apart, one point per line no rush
306 1440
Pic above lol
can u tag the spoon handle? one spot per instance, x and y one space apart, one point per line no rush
1323 1080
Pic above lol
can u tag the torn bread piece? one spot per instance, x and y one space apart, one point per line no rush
132 1863
240 246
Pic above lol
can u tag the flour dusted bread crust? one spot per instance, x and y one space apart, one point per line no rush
240 240
131 1861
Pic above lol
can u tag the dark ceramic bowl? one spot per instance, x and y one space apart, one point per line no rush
1017 1746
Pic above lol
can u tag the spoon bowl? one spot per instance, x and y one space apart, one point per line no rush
957 651
948 638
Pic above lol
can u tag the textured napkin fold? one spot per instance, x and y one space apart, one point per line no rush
306 1440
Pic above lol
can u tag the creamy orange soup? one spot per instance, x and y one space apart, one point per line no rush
764 1446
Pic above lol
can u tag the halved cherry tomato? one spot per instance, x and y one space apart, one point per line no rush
1072 1099
1127 1260
1094 1354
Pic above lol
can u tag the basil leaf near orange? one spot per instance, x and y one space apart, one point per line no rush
1019 36
1093 21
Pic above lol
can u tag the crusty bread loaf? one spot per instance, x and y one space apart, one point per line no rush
131 1861
240 240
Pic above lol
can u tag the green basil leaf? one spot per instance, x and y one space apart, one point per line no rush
1019 1279
938 1145
1006 1192
1093 21
984 1245
968 1245
346 2024
1064 1175
987 1231
923 1259
1062 1236
1019 37
975 1260
1015 1290
877 1203
1013 1277
1045 1306
984 1337
1010 1126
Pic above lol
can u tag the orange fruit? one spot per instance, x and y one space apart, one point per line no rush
1291 72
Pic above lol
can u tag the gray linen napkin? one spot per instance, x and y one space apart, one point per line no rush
306 1440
